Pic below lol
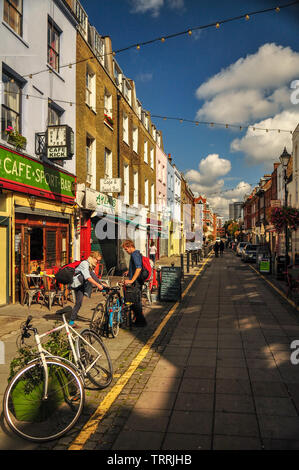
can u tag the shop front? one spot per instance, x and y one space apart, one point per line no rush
39 201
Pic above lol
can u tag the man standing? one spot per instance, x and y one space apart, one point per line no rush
135 268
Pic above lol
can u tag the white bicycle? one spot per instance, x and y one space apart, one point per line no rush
45 398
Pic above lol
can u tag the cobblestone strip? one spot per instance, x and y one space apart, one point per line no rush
116 417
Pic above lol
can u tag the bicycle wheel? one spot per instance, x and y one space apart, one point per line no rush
40 419
95 358
113 306
98 320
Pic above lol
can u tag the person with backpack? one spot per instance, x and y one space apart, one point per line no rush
83 280
136 280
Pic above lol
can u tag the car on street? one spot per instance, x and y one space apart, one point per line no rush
240 247
249 253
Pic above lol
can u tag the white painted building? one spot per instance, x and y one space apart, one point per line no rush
37 46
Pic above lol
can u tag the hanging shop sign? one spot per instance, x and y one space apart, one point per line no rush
24 174
60 142
110 185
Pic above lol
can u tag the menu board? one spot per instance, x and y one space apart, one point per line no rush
170 285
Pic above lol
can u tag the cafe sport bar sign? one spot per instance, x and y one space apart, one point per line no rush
21 173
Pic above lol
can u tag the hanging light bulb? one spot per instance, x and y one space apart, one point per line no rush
70 66
164 118
241 128
247 17
217 25
113 53
71 104
138 46
181 120
253 128
278 130
212 124
30 76
197 123
27 97
226 125
189 32
162 39
277 9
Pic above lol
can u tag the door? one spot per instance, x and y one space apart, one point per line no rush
4 264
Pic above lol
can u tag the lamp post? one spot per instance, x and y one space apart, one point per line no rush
284 159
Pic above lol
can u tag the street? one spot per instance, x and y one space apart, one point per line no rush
217 376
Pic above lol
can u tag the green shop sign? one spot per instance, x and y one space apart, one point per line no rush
27 175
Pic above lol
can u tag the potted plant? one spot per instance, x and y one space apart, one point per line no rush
32 388
15 138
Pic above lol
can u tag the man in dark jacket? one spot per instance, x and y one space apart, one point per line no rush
134 272
221 247
216 248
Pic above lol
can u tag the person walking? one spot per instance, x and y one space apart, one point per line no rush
83 281
216 248
221 247
135 268
153 251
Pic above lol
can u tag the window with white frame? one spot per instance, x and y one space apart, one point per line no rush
153 198
146 151
159 139
125 128
126 184
135 139
152 158
139 110
135 181
90 88
108 164
90 162
146 194
11 103
13 15
53 45
108 106
117 75
127 91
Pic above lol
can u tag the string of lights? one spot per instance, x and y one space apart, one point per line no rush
240 127
163 38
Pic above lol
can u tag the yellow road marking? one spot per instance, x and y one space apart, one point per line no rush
277 290
91 426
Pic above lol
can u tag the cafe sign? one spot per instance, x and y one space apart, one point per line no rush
24 174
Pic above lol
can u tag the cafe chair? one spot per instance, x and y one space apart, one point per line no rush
51 293
30 293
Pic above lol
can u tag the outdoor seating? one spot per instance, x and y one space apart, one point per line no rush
29 293
52 293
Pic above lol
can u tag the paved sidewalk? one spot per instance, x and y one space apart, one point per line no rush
223 379
218 376
122 349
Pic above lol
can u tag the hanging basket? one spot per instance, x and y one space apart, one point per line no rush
282 217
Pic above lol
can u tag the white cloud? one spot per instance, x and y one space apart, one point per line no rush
266 147
210 169
144 6
255 90
270 67
144 77
154 6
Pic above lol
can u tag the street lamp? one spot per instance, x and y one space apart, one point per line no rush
284 159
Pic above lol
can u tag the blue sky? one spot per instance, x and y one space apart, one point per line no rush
240 74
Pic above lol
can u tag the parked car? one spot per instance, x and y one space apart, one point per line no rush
249 253
240 247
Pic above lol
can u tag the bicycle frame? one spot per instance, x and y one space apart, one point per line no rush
44 353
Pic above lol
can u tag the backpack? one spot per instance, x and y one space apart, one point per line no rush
66 273
146 271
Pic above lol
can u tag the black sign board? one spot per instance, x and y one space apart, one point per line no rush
170 286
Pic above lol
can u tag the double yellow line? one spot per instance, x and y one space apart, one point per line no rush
92 424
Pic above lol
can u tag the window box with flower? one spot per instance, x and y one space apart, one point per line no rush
15 138
108 120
